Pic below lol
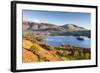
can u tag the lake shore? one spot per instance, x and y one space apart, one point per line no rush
71 40
41 52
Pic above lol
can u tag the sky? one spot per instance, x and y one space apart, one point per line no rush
58 18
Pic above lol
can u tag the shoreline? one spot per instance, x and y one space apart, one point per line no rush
34 50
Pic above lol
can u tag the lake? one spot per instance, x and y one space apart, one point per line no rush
59 40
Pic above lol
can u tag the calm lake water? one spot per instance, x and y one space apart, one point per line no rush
59 40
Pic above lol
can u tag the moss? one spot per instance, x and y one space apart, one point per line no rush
76 53
87 56
40 38
47 47
72 58
64 58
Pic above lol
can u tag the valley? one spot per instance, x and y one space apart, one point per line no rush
36 50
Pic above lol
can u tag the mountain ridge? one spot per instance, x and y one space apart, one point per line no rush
35 25
52 29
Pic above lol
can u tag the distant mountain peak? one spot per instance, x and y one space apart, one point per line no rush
43 26
72 27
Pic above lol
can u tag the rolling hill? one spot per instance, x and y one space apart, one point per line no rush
72 27
53 29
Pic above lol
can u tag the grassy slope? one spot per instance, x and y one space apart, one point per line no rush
36 51
29 56
39 53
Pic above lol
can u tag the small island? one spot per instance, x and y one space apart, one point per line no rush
80 38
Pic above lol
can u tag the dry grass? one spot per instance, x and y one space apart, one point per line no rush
28 56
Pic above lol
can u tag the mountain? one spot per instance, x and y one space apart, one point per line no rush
37 26
72 27
48 26
52 29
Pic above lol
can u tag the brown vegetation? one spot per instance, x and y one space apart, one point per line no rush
36 51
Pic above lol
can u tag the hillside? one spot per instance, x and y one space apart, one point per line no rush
52 29
72 27
38 26
43 26
34 50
